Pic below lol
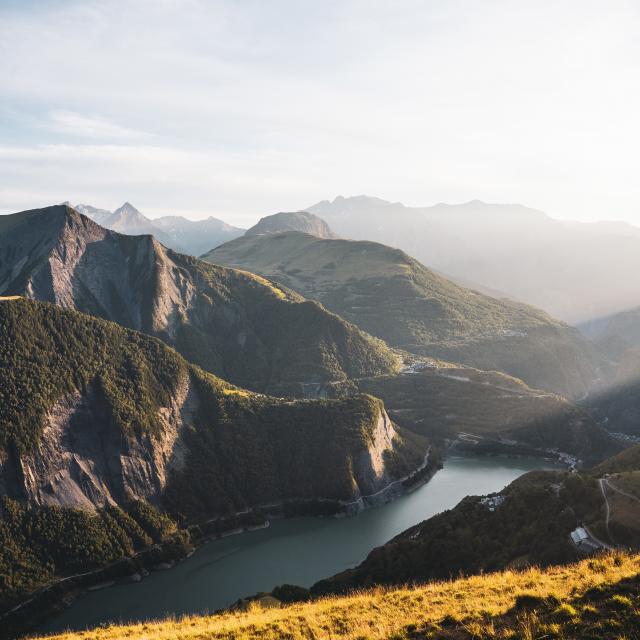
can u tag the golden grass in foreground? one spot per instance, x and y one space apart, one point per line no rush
384 613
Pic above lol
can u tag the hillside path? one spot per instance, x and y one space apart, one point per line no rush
620 491
601 482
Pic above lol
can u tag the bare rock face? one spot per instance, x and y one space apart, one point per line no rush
83 461
370 470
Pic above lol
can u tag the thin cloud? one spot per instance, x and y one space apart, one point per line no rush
419 102
95 127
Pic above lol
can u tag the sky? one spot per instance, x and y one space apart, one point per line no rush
241 108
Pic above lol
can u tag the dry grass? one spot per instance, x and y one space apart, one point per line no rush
467 603
279 293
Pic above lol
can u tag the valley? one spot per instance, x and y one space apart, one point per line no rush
154 402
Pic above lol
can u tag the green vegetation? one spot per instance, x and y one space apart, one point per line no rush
46 352
37 545
592 600
252 451
440 402
264 337
530 527
528 523
392 296
627 460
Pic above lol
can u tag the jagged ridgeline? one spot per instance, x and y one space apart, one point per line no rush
394 297
96 416
235 324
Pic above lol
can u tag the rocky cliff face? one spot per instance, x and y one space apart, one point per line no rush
232 323
370 467
81 461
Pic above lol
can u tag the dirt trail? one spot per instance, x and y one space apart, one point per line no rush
620 491
601 483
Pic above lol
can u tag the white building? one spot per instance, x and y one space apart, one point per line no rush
579 536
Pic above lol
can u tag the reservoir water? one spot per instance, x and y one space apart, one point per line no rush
297 551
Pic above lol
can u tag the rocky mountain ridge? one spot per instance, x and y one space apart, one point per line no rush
176 232
233 323
575 271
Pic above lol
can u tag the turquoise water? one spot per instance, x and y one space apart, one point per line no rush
298 551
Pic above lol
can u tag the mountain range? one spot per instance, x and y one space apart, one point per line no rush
232 323
176 232
574 271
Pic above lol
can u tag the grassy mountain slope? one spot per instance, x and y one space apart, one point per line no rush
394 297
234 324
98 417
443 401
617 339
627 460
590 600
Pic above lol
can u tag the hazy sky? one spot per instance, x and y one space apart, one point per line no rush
242 108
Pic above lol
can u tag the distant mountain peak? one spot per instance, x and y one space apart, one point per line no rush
176 232
128 209
302 221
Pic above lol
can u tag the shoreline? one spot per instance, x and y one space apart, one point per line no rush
28 616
